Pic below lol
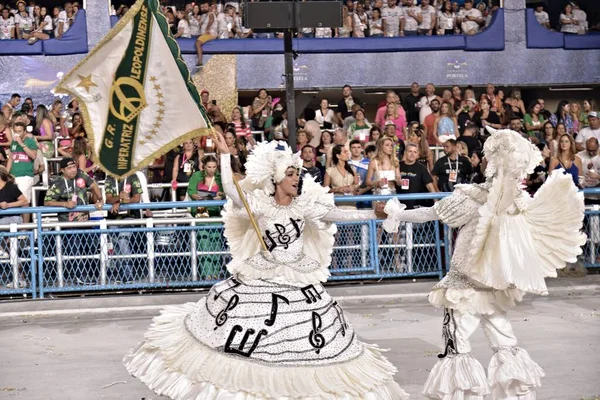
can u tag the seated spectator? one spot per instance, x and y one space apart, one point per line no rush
184 166
575 112
350 119
308 164
592 131
69 191
568 21
462 149
383 174
445 125
124 191
10 197
7 25
589 105
534 122
452 169
183 26
470 19
209 28
590 162
66 18
23 152
568 160
414 177
45 29
360 128
542 16
563 116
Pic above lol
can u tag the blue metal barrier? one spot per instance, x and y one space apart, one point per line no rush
177 252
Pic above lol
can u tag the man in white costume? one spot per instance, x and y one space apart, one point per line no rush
499 256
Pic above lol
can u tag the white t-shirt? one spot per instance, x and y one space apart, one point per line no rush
391 20
194 26
6 26
588 163
49 25
568 28
185 27
62 18
374 26
322 32
467 25
582 18
428 14
411 24
25 22
425 109
587 133
214 28
320 118
446 21
542 17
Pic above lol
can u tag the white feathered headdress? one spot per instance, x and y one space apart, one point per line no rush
267 164
510 155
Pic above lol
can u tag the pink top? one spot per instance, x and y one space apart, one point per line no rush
43 131
380 117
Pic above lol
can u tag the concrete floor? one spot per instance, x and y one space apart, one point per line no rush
56 350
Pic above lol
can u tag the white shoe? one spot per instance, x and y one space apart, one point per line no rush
22 284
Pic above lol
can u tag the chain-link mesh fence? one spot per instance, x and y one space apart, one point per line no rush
18 258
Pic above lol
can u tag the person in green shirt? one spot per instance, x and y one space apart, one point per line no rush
534 122
206 185
23 151
125 191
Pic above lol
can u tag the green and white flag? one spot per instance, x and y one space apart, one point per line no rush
135 93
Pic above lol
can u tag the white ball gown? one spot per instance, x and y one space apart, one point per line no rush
271 331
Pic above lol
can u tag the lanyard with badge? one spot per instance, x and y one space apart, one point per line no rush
74 198
453 173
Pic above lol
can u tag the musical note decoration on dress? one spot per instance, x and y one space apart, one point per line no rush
274 298
311 294
240 350
449 333
222 316
315 338
341 317
234 283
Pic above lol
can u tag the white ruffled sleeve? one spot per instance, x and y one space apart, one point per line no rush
227 181
335 214
397 213
457 209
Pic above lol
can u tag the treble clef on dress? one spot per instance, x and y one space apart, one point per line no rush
315 338
284 238
222 316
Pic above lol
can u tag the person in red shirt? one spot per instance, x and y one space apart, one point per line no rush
430 121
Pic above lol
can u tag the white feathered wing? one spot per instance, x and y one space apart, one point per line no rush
519 249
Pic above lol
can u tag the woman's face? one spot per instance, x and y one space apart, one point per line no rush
76 119
210 168
568 9
55 11
180 14
501 94
387 147
289 185
485 105
262 94
360 116
413 138
546 152
461 149
375 135
565 143
229 139
188 145
475 160
345 154
58 108
391 109
326 138
537 108
575 108
456 90
447 6
21 7
36 10
445 109
566 108
561 129
469 94
235 114
587 106
413 127
43 11
376 15
301 138
196 9
324 104
548 131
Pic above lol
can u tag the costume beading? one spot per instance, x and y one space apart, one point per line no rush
507 244
270 331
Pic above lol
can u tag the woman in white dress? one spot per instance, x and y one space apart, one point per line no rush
270 331
507 245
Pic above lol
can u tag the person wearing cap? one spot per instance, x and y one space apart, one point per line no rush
69 191
593 130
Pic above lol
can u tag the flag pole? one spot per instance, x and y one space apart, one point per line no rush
246 206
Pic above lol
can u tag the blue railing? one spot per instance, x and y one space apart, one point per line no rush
178 251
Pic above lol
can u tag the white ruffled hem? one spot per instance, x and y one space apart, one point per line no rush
475 301
513 375
457 377
173 363
281 273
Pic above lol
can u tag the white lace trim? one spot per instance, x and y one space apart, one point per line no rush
470 300
172 363
306 271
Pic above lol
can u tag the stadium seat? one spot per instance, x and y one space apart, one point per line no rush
75 41
20 48
491 39
539 37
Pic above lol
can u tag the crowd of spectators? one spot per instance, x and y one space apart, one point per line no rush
572 19
35 22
